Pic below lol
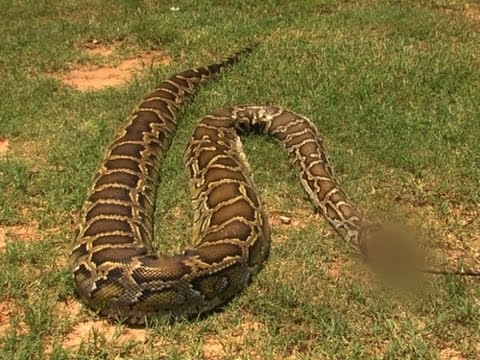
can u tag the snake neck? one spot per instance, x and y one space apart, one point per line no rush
307 153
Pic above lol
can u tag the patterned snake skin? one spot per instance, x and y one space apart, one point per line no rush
115 269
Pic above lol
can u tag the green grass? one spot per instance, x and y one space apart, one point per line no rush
393 86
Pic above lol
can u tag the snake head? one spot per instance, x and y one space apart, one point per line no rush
391 251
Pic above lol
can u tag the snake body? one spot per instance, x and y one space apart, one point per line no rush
115 269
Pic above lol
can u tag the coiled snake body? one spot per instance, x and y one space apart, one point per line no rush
115 269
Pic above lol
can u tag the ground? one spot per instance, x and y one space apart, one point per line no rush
89 77
392 86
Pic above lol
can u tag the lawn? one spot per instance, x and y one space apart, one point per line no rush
393 86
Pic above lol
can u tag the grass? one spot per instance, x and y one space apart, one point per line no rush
392 85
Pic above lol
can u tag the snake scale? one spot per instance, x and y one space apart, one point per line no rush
114 267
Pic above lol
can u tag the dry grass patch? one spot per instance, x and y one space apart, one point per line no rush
280 222
298 219
99 48
337 269
454 229
234 342
470 10
33 152
459 246
466 216
178 212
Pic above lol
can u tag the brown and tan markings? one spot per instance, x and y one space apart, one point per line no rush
115 269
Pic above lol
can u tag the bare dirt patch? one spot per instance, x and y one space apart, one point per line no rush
70 308
450 354
213 349
114 335
83 331
7 309
4 146
95 78
3 241
472 11
26 232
